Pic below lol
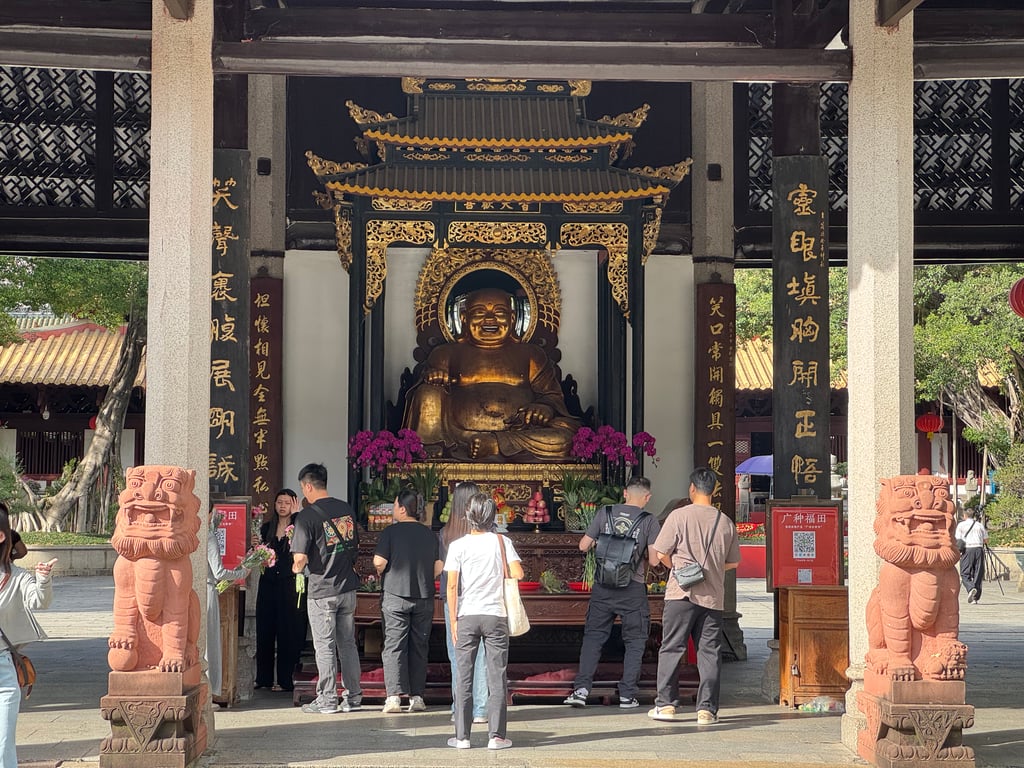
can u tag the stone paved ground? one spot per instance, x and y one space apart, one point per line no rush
60 724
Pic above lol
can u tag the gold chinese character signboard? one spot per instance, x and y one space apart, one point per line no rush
229 324
266 436
801 393
715 388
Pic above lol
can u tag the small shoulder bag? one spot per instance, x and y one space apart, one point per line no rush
693 573
24 666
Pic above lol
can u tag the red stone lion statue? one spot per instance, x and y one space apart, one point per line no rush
913 615
156 610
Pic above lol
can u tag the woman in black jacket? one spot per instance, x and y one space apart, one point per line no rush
280 612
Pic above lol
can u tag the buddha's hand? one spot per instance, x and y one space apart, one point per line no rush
437 377
535 414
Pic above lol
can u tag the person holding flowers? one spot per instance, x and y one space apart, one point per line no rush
280 612
218 578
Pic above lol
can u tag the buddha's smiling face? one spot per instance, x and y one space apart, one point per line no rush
488 317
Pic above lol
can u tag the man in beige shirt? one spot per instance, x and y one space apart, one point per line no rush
697 533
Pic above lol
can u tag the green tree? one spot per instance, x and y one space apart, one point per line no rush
963 326
754 311
106 292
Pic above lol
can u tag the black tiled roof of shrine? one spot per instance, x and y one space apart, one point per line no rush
460 120
457 183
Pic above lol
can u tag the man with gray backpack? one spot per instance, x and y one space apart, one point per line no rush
623 535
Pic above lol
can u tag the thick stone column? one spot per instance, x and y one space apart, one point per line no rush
180 221
713 251
881 341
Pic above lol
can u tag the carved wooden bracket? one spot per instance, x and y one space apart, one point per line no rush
180 9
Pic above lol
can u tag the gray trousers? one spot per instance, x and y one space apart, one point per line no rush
680 620
493 630
407 623
332 624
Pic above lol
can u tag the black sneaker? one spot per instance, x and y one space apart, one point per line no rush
628 703
577 698
350 706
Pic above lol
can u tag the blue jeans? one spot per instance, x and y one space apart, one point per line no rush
332 624
10 703
479 671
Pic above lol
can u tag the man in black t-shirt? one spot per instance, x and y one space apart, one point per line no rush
407 560
327 540
629 603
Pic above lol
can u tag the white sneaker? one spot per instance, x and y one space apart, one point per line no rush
706 717
458 743
392 704
416 704
496 742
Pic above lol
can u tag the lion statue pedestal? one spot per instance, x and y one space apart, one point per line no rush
913 695
156 698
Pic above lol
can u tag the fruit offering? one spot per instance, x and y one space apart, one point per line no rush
536 510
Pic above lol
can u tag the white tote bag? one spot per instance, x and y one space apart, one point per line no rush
518 621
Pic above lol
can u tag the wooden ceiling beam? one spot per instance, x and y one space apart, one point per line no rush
127 51
944 26
597 61
999 61
325 24
889 12
81 14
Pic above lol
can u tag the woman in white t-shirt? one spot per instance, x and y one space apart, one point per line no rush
478 613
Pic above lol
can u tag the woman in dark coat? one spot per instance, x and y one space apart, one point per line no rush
280 612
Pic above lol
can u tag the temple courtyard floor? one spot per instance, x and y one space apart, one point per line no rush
61 724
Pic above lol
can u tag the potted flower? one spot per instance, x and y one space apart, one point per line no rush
614 450
752 550
378 455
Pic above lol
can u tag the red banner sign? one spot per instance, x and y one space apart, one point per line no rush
805 545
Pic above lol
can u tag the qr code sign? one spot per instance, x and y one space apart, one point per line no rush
804 576
222 540
804 545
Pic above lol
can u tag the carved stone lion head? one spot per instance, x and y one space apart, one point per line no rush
915 522
158 514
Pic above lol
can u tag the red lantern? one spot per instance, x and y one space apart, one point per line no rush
1017 297
92 423
929 423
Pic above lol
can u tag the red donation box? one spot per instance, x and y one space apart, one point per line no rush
805 544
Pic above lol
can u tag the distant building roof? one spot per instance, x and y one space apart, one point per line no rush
64 352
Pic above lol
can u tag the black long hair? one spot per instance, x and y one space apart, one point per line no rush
457 525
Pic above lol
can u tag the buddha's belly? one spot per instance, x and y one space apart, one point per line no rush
488 407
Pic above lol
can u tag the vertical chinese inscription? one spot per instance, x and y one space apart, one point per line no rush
229 324
715 388
266 437
801 405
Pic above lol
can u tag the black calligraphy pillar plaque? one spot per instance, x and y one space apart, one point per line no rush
229 324
266 435
800 407
714 426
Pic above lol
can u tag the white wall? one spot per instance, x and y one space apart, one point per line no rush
127 446
8 442
669 374
315 365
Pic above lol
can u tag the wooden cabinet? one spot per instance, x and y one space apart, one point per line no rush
813 643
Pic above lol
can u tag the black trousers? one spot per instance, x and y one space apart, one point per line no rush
280 630
631 606
972 568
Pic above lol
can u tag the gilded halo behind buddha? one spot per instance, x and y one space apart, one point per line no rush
487 392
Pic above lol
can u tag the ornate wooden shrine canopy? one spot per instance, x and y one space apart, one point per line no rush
504 164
